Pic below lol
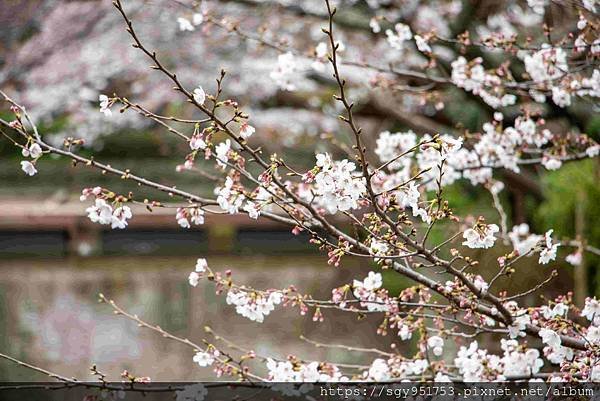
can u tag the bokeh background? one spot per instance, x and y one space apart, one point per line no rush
57 56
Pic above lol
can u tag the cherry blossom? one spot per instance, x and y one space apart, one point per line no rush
593 334
575 258
197 142
102 212
550 337
254 306
194 279
28 168
422 44
517 328
559 309
120 217
379 370
286 71
374 25
390 145
105 105
222 153
436 343
473 78
185 215
404 333
409 197
34 151
378 248
201 265
204 358
546 64
197 18
185 24
482 236
199 95
337 184
229 199
551 163
522 241
591 311
252 209
549 249
537 5
246 131
398 36
372 282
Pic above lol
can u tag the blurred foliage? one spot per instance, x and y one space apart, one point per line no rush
593 127
574 185
465 111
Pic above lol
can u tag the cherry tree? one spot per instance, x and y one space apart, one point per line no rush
369 193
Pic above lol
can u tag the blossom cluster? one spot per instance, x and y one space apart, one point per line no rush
105 213
254 306
34 151
337 184
185 215
523 243
288 371
472 77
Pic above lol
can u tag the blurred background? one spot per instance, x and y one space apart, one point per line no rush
56 57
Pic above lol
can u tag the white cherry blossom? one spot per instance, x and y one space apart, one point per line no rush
203 358
372 282
197 18
546 64
256 306
548 252
537 5
398 36
551 163
482 236
575 258
185 24
28 168
591 311
252 209
105 105
436 344
34 151
337 185
285 73
422 44
379 370
120 217
199 95
404 333
101 212
201 265
559 309
222 153
550 337
197 142
194 279
520 322
246 131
